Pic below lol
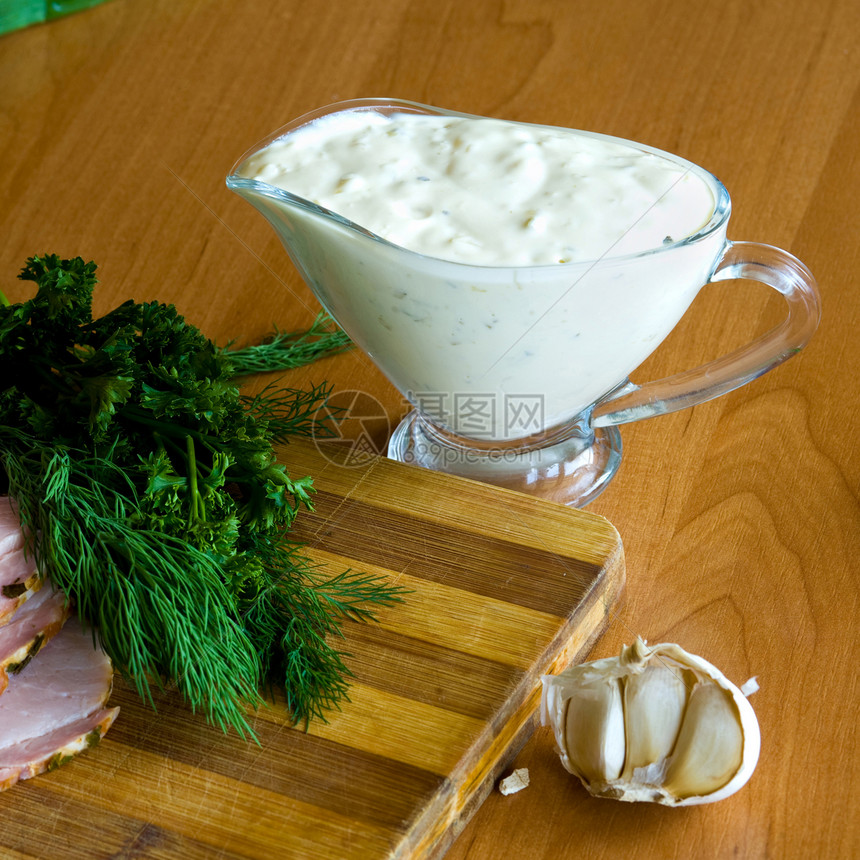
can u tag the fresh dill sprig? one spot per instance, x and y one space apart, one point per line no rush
284 350
155 500
293 411
161 607
294 615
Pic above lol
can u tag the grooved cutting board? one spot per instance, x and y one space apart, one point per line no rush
504 588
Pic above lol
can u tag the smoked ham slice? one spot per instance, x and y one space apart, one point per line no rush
34 623
19 579
55 707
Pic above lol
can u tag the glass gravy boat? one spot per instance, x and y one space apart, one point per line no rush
519 375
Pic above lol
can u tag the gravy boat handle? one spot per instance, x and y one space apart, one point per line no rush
740 260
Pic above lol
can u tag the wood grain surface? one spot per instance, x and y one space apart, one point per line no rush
740 517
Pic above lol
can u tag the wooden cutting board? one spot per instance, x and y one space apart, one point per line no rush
504 588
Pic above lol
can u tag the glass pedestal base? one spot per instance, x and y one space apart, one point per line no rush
571 466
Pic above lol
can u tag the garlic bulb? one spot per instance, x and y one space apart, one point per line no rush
654 724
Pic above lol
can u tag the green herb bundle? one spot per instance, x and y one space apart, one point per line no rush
155 500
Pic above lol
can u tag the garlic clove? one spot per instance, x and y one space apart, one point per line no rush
687 734
710 744
654 704
594 729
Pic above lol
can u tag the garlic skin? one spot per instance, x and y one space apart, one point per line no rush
654 724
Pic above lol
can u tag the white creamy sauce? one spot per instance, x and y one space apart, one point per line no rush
548 314
486 191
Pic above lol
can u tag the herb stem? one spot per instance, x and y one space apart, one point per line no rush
161 428
196 513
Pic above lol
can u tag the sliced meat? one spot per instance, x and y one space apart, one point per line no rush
19 579
14 596
35 622
11 536
38 755
55 707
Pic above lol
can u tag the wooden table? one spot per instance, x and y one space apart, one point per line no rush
740 518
